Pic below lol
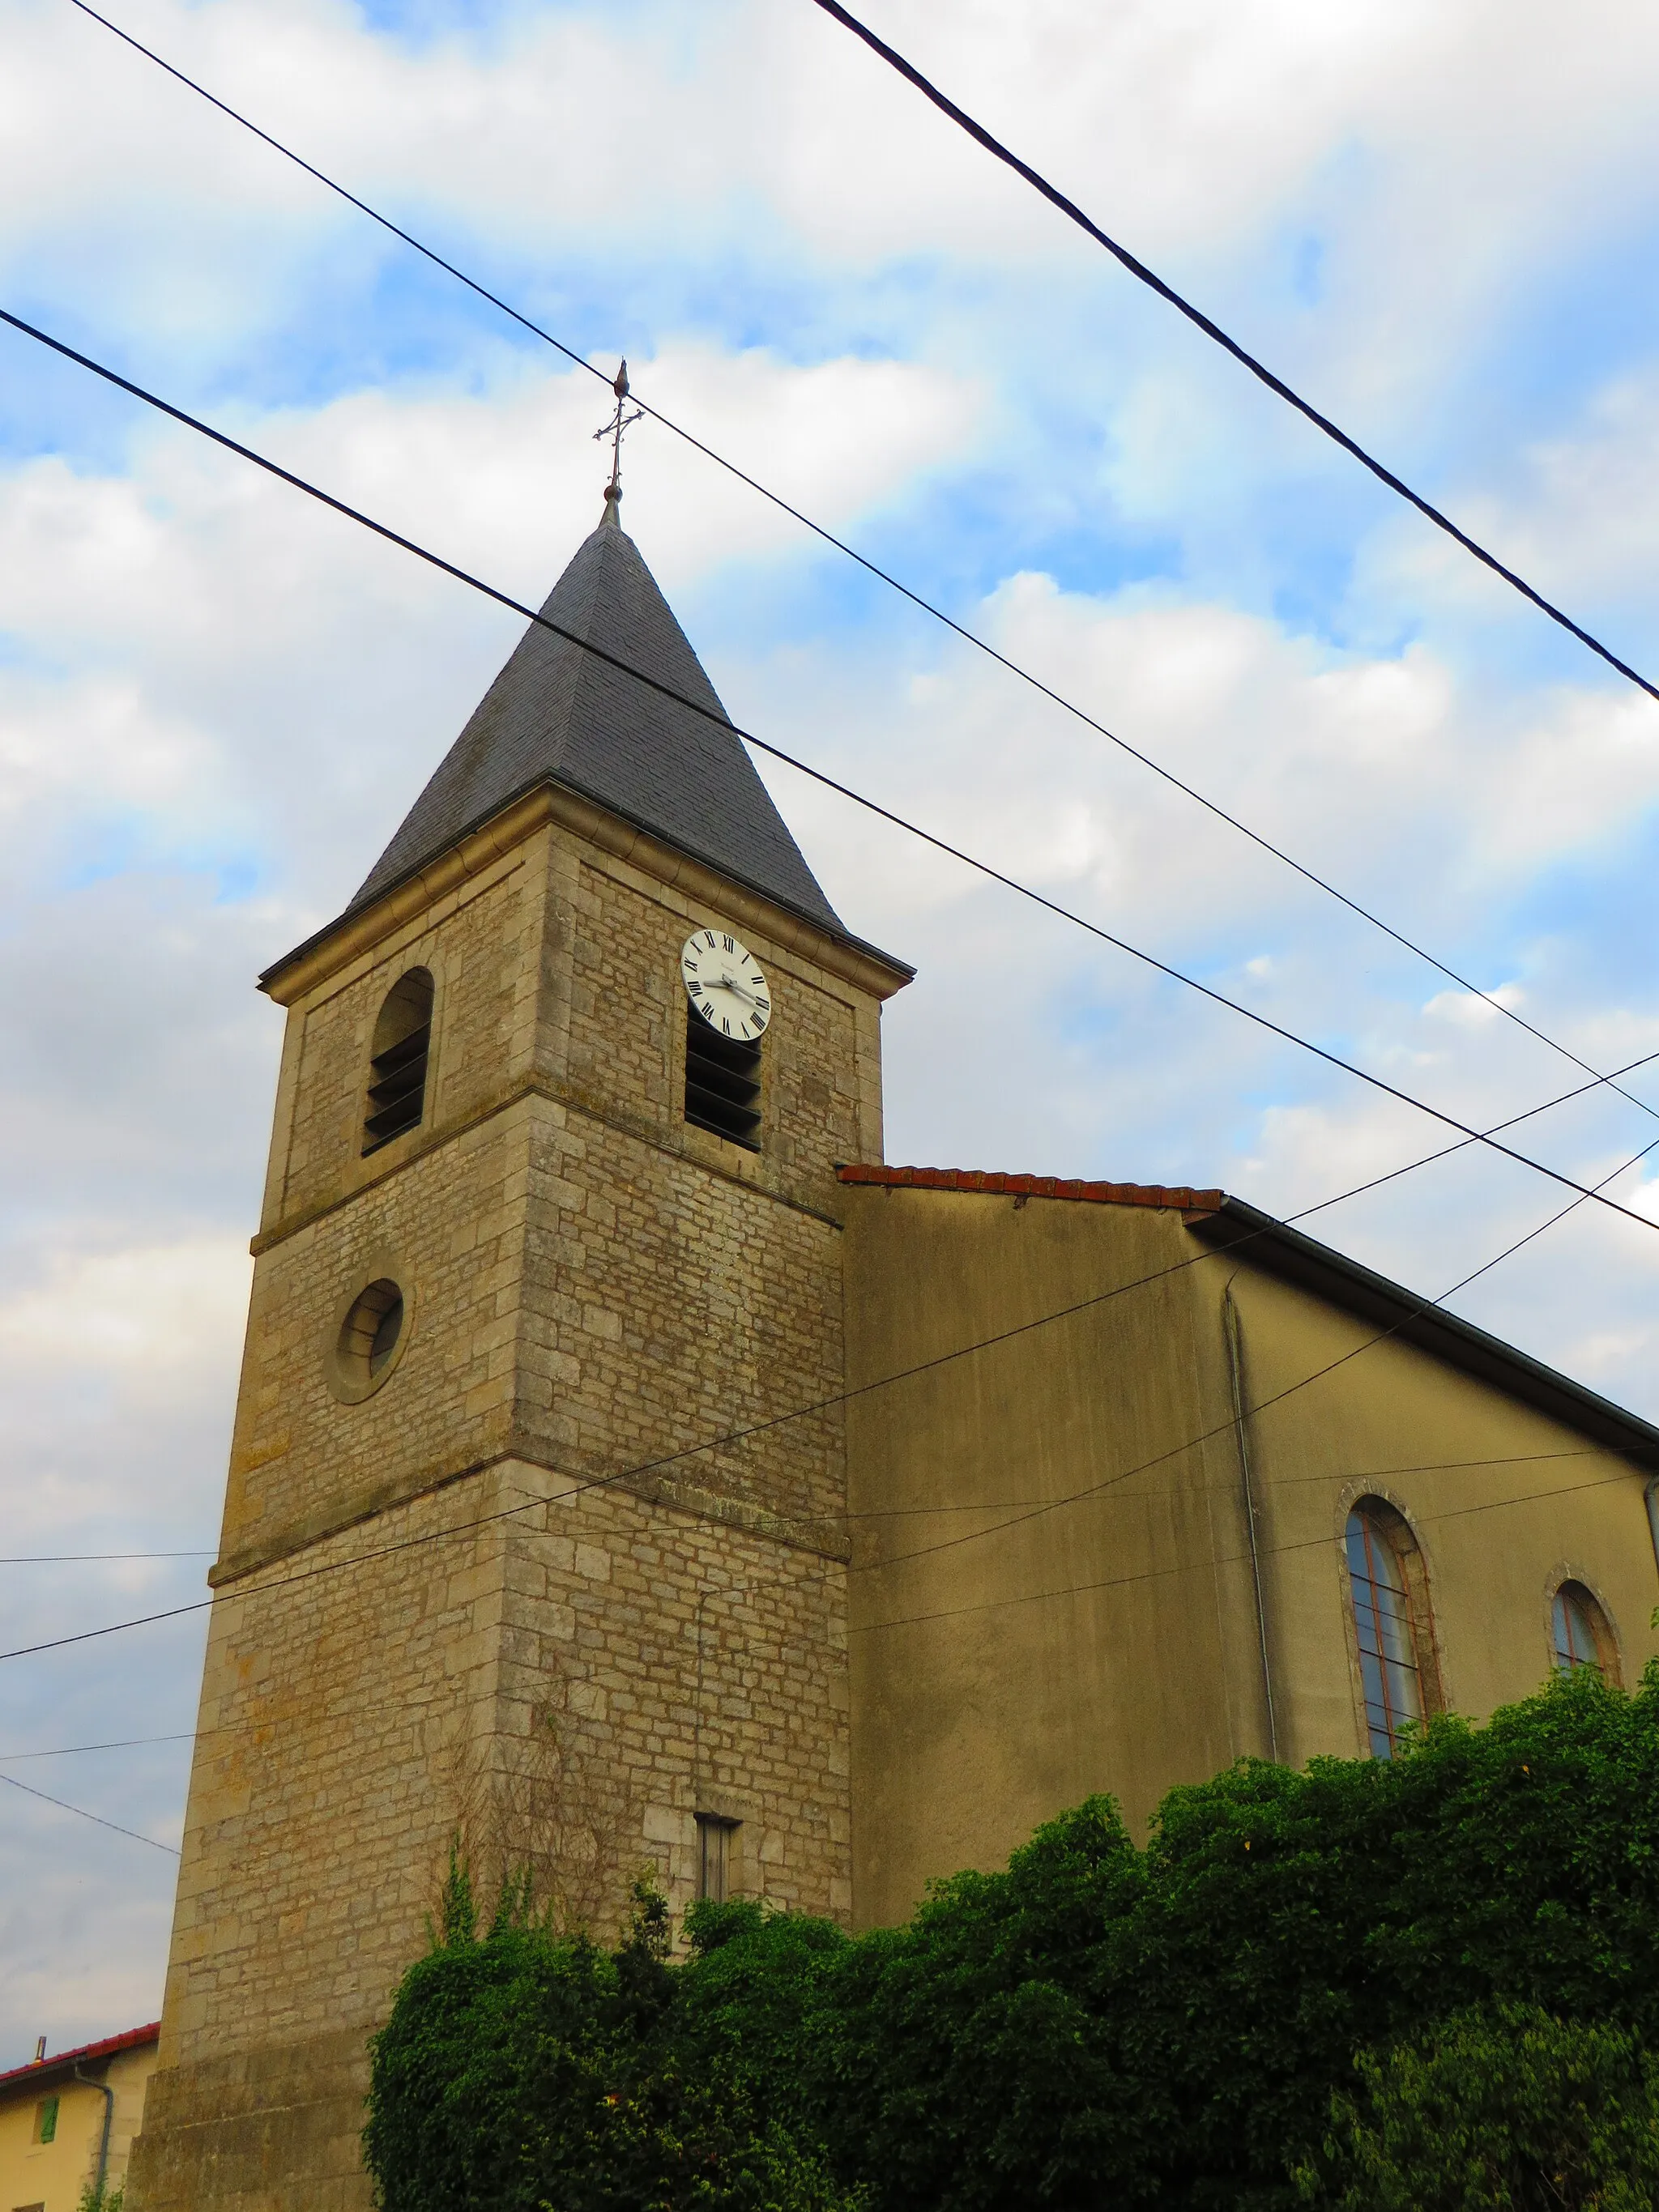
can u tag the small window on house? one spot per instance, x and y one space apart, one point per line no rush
1582 1636
714 1835
45 2120
722 1082
1389 1590
398 1060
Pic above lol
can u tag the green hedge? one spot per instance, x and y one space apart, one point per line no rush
1099 2025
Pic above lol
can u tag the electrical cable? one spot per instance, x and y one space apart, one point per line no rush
974 1505
983 867
1227 1489
1196 1566
1042 1321
63 1806
74 1750
404 1707
1033 1597
1138 268
1230 1426
900 1559
1433 514
579 1488
872 567
818 775
84 1559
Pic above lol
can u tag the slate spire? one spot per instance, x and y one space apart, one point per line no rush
558 714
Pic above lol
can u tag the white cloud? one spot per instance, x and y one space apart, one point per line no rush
1469 1009
216 700
149 1316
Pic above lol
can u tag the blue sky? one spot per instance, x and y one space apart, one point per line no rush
215 701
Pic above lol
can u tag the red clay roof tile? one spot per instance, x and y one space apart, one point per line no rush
38 2069
989 1182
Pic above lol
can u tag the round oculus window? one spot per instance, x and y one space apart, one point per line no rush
371 1336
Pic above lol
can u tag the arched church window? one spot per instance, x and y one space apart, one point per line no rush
1582 1637
1389 1590
397 1059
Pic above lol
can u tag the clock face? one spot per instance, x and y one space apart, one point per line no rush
723 982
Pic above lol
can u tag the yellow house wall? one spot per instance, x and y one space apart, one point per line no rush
1505 1503
998 1703
54 2174
1113 1644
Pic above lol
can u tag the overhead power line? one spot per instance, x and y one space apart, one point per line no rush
1261 1405
406 1707
531 614
87 1559
834 1399
1037 1511
402 1707
81 1813
971 637
1197 1566
1213 330
74 1750
831 783
1008 1335
1038 1508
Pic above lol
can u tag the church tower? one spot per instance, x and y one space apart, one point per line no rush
515 1545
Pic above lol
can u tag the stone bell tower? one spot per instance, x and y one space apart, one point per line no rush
551 1232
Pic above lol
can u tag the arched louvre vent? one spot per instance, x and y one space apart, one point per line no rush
397 1068
722 1082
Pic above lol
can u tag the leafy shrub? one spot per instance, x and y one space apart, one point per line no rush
1495 2108
520 2072
1095 2025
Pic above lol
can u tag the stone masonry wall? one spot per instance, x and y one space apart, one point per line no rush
671 1664
338 1695
450 1228
590 1285
483 945
612 1035
565 1689
666 1308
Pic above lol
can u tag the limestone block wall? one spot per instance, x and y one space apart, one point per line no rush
345 1700
657 1663
338 1693
599 1299
664 1307
612 1038
483 943
449 1228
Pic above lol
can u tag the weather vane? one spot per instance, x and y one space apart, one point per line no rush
613 430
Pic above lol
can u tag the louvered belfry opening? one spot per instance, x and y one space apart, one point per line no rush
722 1082
397 1068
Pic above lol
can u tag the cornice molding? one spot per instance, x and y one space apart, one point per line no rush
331 949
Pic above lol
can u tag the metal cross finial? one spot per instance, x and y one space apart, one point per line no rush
613 430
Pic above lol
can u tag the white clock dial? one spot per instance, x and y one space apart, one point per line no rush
725 985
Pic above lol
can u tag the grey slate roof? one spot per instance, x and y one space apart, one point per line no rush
557 713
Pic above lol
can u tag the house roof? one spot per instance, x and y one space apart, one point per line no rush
62 2064
1176 1197
557 713
1230 1225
